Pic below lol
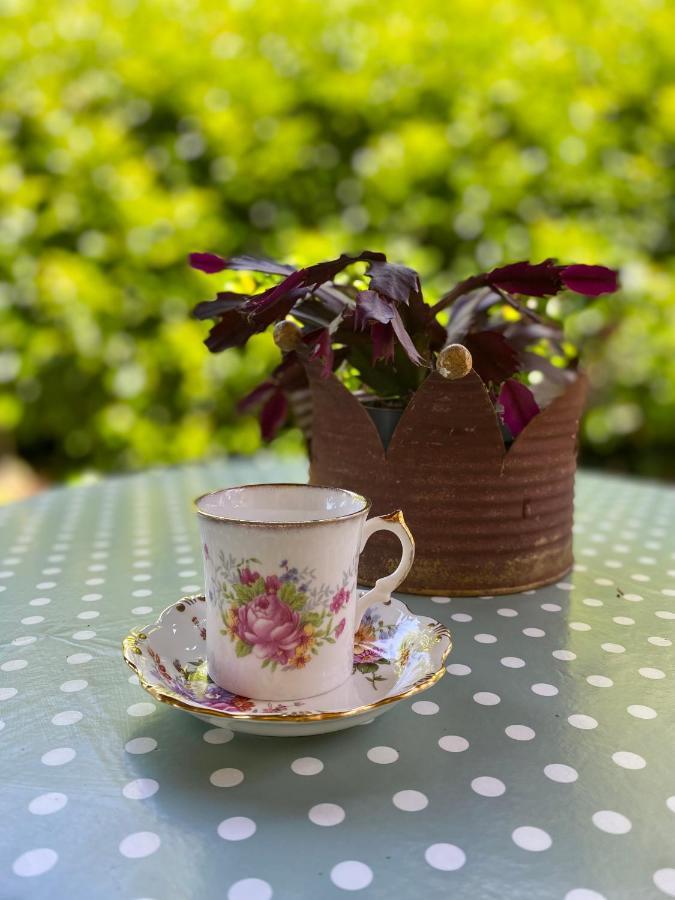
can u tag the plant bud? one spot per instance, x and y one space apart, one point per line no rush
454 361
287 336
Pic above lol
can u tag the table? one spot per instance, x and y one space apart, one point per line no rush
542 766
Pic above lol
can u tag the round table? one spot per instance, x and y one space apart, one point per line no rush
541 766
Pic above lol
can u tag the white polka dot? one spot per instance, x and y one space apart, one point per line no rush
453 743
670 803
40 601
445 857
586 723
141 610
534 632
603 582
326 814
250 889
67 717
58 757
140 789
656 641
564 586
628 760
561 773
565 655
351 875
307 765
512 662
664 879
623 620
46 804
92 582
189 573
580 626
611 822
519 732
89 598
461 617
32 620
141 592
508 613
544 690
641 712
226 777
76 659
71 687
527 837
665 614
599 681
139 844
551 607
45 585
236 828
382 755
425 707
458 669
487 698
191 588
583 894
14 665
653 674
84 635
141 577
639 576
410 801
140 745
485 638
218 736
24 641
634 598
141 709
35 862
613 648
486 786
591 601
89 614
440 599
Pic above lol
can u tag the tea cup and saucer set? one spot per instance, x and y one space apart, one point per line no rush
283 643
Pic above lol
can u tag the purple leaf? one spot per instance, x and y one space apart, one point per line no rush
590 280
323 351
394 281
208 262
256 396
466 310
538 280
370 305
225 301
273 414
258 264
382 337
233 330
405 339
326 271
494 358
518 405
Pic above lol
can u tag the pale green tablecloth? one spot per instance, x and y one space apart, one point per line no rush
542 766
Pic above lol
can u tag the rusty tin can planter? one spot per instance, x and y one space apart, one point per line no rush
486 520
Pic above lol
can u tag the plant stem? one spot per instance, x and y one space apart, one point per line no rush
469 284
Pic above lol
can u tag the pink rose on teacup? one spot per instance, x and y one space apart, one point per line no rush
270 626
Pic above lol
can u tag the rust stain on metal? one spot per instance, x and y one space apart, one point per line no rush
485 520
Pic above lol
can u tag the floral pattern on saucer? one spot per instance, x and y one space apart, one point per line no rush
396 654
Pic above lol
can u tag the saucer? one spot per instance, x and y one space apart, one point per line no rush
396 654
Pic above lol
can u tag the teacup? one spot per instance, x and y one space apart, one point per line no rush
280 566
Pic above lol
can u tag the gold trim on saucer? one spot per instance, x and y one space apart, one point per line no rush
130 647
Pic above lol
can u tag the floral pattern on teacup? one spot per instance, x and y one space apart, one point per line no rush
281 618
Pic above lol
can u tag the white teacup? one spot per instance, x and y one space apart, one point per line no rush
280 566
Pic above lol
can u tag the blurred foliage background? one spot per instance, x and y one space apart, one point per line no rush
454 137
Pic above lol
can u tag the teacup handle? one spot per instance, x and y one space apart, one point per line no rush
384 587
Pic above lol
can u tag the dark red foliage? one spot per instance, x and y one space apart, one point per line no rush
494 358
518 405
590 280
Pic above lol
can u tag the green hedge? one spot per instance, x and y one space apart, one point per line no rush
452 136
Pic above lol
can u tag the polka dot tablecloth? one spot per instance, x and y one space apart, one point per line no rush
542 766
